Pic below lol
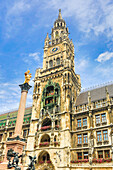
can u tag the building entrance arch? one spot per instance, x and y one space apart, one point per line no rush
44 161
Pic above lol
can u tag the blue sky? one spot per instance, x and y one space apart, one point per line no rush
23 28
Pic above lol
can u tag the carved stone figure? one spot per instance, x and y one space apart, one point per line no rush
31 166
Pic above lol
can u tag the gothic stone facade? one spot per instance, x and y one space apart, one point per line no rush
68 129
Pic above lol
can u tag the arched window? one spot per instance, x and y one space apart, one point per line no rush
46 64
56 33
55 138
56 40
44 157
45 138
51 63
58 61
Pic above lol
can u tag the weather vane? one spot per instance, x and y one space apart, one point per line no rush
27 76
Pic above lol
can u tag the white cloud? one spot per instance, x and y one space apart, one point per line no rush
10 96
35 56
105 56
81 64
14 16
18 7
90 15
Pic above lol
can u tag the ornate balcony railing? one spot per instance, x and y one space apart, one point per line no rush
102 160
80 161
44 144
45 127
42 162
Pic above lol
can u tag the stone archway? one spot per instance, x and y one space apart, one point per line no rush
44 162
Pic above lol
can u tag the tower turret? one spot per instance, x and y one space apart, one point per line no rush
59 31
55 92
58 49
46 44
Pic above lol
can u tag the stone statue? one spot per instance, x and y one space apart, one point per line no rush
31 166
15 160
27 76
91 148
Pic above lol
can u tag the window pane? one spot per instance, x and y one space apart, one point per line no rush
107 154
79 155
99 137
24 133
79 122
85 121
79 139
100 154
97 119
105 134
104 117
85 138
85 155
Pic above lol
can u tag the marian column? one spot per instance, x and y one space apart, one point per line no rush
24 90
17 142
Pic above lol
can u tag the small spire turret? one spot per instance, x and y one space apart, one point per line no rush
59 16
47 40
47 37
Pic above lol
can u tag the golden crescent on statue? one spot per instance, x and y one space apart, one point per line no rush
27 76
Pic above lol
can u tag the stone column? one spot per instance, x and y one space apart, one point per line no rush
16 142
24 90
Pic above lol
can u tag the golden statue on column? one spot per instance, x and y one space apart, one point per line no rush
27 76
16 143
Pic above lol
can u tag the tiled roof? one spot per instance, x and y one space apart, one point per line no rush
13 117
96 94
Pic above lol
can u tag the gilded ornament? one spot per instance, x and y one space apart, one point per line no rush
27 76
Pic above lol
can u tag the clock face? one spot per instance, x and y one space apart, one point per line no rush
54 49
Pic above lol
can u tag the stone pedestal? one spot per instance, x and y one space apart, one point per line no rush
16 142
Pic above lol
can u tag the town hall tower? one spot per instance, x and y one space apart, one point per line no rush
56 87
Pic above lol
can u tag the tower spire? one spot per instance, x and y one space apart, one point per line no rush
59 15
47 37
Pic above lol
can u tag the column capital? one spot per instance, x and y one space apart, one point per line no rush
25 87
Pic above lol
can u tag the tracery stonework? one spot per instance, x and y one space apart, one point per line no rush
66 129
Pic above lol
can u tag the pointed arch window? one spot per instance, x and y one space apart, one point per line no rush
51 63
58 61
57 40
56 33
